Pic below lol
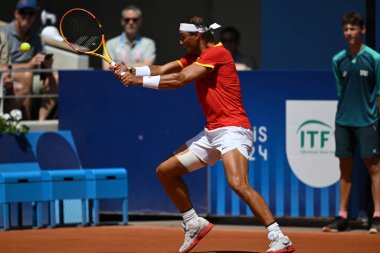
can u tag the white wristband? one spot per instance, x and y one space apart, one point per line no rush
142 71
151 82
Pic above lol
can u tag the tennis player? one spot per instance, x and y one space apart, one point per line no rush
227 134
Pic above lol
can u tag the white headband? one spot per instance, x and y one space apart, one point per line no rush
186 27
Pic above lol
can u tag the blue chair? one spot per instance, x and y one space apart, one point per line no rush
17 187
16 155
109 183
64 185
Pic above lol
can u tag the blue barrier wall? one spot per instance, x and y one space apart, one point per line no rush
303 35
138 128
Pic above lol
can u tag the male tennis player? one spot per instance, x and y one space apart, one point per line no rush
227 134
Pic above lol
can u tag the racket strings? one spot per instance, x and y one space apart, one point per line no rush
82 31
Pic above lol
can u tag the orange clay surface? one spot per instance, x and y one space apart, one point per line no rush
167 237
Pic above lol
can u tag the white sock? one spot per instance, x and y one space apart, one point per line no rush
274 230
190 217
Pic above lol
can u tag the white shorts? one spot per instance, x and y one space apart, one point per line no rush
210 146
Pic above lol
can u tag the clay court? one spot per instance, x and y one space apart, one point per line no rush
167 237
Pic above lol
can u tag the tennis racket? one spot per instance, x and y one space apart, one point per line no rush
82 31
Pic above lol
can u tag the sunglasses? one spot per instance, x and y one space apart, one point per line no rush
26 12
134 20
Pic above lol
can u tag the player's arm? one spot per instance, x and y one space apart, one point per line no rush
153 70
167 81
338 80
377 78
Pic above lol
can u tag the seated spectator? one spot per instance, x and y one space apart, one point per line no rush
130 48
5 60
230 38
19 31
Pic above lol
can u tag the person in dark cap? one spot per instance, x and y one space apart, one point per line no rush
19 31
21 4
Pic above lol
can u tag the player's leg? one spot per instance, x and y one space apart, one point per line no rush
235 144
346 166
170 174
373 168
236 167
345 147
370 150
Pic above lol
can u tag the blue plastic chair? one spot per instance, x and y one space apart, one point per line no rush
16 187
20 180
64 185
109 183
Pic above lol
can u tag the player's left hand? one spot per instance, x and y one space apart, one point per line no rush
126 77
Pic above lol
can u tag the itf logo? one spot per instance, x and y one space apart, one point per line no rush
310 144
314 136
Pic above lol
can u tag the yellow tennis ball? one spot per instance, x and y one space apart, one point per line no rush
25 47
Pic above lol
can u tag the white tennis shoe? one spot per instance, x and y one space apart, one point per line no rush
193 234
281 244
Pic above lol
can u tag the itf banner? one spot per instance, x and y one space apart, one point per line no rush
310 144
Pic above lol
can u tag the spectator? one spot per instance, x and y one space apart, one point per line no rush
19 31
130 48
357 75
230 37
4 64
5 60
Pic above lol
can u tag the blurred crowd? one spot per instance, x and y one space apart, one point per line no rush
29 83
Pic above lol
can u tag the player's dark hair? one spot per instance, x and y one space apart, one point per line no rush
353 18
200 23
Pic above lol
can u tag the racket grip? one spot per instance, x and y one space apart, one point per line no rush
112 63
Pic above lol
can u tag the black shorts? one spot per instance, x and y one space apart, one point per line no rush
348 138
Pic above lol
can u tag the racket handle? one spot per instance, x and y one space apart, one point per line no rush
112 63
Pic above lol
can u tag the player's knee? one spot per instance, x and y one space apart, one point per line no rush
373 169
372 165
239 186
160 171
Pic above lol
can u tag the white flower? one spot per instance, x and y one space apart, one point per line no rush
16 114
6 116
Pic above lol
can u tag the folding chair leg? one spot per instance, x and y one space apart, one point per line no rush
84 214
39 214
6 218
125 211
95 212
52 213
